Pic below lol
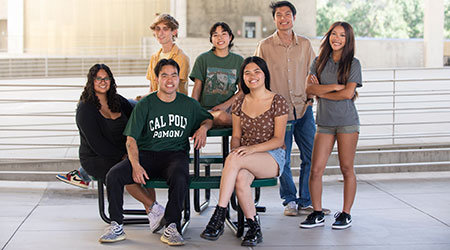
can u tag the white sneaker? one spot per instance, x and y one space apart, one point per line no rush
291 209
155 216
113 233
171 236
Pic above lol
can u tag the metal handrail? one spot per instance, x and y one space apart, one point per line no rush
36 130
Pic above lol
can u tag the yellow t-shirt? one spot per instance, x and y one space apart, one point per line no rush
183 61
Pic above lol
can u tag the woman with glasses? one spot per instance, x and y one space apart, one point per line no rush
101 117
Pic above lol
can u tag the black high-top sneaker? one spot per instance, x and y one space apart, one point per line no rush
254 234
215 227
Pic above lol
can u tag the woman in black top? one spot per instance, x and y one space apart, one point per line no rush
101 117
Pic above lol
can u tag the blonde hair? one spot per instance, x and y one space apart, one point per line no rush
168 20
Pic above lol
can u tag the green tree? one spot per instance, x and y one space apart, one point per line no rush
380 19
447 19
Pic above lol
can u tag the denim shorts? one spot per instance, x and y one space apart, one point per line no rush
279 155
333 130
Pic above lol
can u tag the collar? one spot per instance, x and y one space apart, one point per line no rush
173 52
279 42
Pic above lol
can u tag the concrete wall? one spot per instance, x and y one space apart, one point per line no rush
387 53
62 27
202 14
3 9
373 53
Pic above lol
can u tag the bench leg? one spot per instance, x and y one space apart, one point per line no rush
186 212
197 206
101 202
238 226
105 218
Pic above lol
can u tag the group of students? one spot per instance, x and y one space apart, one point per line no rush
257 96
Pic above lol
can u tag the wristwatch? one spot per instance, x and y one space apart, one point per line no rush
311 100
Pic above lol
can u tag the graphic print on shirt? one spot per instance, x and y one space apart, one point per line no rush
219 81
168 126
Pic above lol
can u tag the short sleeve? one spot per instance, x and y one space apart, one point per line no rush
236 106
355 73
201 114
199 70
136 122
312 68
280 106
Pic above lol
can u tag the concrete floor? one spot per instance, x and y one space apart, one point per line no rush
391 211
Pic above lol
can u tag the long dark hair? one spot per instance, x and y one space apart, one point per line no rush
262 65
345 63
89 96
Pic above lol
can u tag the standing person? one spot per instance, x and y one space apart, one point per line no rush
216 75
257 148
288 56
165 30
158 146
333 78
101 117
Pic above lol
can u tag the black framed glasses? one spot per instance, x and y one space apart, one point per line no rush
99 79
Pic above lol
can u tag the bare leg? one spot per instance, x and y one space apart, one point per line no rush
323 145
260 165
141 194
347 149
244 193
221 118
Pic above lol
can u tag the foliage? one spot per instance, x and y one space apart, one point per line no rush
380 19
447 19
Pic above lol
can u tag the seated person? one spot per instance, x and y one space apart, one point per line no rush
101 117
216 75
257 148
158 146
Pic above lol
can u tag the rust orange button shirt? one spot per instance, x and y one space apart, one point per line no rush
288 67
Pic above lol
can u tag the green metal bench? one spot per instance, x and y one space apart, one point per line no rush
213 182
197 183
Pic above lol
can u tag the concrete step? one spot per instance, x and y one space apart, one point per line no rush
368 160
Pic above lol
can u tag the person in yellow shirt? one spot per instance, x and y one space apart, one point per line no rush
165 30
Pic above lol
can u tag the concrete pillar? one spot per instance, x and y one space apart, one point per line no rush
434 33
305 20
178 8
15 26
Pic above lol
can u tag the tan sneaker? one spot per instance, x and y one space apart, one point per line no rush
309 209
291 209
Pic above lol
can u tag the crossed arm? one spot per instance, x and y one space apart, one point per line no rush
334 91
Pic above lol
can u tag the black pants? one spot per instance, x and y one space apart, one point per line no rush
171 165
98 166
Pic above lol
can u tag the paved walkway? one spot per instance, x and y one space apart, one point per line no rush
392 211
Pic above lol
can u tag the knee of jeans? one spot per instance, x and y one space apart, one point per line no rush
111 176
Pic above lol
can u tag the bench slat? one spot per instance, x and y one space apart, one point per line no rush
208 182
209 159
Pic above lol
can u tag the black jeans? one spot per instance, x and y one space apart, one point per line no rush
171 165
98 166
